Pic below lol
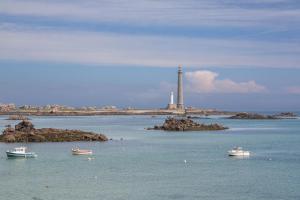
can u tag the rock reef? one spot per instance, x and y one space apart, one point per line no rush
286 115
245 115
25 132
184 124
17 117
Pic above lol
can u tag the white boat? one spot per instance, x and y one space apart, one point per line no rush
20 152
238 151
78 151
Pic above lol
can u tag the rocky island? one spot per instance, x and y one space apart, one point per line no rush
184 124
25 132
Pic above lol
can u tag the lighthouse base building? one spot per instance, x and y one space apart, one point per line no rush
172 107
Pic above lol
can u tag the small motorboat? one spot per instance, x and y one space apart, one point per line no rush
20 152
78 151
238 151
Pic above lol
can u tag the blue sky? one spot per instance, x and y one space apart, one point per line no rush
237 55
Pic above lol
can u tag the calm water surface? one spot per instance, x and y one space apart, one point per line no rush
150 165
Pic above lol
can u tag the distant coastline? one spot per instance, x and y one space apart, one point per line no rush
116 112
21 112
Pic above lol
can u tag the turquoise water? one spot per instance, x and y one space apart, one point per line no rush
150 165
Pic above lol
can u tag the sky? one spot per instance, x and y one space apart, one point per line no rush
236 55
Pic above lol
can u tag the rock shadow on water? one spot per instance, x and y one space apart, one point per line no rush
180 196
36 198
173 196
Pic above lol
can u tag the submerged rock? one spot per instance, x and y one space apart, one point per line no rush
198 117
173 124
25 132
193 117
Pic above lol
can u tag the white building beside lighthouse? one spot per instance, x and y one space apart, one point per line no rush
172 98
172 105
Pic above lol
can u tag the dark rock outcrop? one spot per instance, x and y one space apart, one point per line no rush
25 132
25 126
245 115
173 124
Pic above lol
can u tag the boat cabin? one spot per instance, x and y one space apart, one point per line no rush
20 149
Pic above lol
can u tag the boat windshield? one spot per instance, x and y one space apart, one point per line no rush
238 148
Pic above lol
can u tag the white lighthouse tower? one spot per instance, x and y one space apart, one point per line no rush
171 105
172 98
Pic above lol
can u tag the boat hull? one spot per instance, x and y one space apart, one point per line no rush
245 153
20 155
76 153
82 152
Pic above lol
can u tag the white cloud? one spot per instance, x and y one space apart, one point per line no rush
206 82
293 90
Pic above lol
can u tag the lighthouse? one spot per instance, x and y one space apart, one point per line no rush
180 105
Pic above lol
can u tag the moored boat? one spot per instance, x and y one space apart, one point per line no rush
78 151
238 151
20 152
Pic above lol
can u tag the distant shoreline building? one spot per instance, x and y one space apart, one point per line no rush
179 105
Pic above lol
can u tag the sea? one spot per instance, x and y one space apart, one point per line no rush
140 164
